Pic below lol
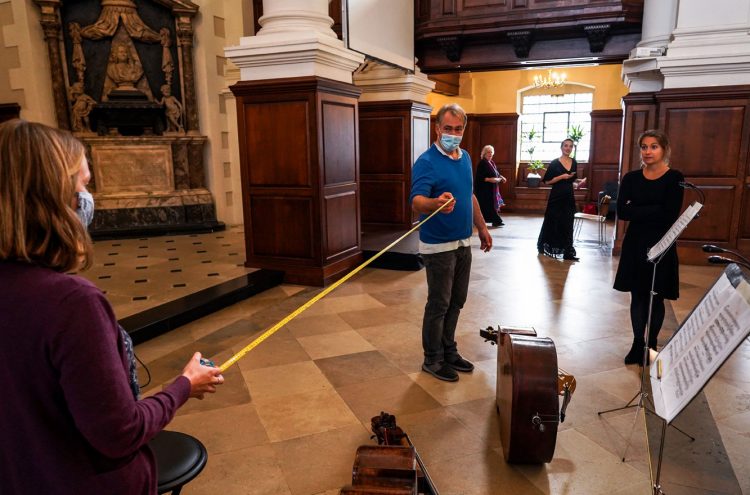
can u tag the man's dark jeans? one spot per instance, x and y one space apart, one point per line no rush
447 288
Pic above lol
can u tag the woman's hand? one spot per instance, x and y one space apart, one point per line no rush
203 379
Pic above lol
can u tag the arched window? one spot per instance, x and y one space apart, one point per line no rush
551 115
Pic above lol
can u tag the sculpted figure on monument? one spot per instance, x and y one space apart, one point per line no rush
124 70
78 60
81 106
167 65
173 110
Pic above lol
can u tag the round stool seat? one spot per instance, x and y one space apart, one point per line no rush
179 459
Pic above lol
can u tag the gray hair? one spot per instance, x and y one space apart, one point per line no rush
487 148
453 108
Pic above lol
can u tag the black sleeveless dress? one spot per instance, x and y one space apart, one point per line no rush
651 207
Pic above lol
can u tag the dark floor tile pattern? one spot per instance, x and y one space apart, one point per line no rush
170 275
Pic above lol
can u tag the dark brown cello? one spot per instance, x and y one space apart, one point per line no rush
393 467
528 385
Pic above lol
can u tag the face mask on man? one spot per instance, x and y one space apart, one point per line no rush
85 210
450 142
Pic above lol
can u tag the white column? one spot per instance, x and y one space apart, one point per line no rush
710 45
659 19
641 71
381 82
295 40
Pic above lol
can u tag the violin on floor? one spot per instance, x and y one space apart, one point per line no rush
393 467
528 386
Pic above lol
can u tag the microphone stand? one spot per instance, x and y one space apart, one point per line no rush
690 185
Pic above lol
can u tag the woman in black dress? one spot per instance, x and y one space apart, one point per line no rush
556 237
487 187
650 199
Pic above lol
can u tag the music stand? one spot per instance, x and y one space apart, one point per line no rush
655 255
715 328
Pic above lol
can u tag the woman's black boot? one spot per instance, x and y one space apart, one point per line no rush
652 341
635 356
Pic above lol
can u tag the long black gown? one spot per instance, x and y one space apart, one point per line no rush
651 207
556 236
488 193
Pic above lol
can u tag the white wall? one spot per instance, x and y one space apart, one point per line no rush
26 79
219 24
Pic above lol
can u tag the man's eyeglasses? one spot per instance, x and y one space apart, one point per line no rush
459 129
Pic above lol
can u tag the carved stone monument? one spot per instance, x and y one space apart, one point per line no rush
146 153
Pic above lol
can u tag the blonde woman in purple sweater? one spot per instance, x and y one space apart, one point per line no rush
70 423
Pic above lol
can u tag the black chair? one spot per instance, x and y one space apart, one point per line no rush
610 189
179 459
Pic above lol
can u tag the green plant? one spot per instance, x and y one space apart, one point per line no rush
534 166
575 134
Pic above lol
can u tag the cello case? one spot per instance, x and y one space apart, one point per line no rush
527 395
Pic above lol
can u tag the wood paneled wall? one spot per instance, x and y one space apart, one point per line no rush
501 131
604 156
300 173
460 35
392 135
709 131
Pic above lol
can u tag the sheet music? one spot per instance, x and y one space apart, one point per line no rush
719 324
674 231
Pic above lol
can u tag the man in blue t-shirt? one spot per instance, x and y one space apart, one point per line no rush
443 173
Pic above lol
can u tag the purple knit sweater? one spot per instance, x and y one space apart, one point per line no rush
68 420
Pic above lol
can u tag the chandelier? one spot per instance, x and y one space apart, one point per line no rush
551 80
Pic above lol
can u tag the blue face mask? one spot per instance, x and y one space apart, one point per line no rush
85 210
449 142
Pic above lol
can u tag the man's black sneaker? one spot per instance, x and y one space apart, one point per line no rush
460 364
441 371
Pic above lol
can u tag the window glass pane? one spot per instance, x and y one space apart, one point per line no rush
555 126
551 116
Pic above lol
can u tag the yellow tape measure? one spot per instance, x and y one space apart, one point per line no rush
321 295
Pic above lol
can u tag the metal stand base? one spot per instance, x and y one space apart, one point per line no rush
649 410
642 395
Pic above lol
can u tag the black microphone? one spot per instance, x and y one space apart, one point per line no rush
687 185
721 260
711 248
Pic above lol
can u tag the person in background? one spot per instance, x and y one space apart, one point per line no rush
487 187
556 236
650 200
70 422
441 174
